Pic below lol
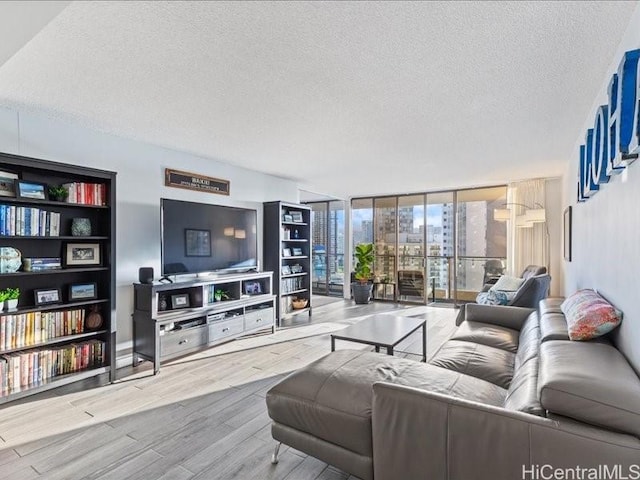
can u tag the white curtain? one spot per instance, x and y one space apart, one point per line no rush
526 246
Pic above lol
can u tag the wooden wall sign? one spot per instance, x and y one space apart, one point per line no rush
194 181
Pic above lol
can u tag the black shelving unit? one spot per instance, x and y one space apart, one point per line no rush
103 222
283 234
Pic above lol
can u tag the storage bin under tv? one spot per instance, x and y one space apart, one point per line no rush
175 319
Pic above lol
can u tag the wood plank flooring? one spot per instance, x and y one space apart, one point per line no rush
202 417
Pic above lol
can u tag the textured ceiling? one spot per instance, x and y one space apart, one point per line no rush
350 98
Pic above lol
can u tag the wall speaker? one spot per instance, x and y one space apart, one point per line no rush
145 274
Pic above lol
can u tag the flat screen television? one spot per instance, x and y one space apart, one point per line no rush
200 237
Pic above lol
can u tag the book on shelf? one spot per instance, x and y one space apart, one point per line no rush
28 222
32 328
292 284
23 370
39 264
86 193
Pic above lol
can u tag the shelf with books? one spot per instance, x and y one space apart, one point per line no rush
48 264
56 340
287 251
26 369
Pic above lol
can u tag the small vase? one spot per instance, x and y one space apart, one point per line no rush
11 304
81 227
162 303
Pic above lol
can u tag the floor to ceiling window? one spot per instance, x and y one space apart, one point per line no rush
438 246
328 245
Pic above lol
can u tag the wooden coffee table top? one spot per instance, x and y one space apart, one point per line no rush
384 329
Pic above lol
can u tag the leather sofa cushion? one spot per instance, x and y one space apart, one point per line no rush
480 361
523 391
591 382
550 305
331 397
529 340
553 326
488 334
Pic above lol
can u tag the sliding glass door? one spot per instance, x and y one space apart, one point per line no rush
328 247
440 246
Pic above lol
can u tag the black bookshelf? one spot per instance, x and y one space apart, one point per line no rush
282 234
103 223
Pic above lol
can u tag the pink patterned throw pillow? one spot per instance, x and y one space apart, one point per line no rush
589 315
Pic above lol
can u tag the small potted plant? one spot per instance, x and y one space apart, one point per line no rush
58 193
10 298
364 261
220 295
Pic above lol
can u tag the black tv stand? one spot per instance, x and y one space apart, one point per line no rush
165 278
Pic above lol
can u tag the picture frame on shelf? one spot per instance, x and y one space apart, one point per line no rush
297 268
253 287
82 254
297 217
286 252
287 218
27 189
180 300
46 296
286 270
296 251
79 292
8 184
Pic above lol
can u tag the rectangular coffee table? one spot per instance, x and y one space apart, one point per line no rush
383 330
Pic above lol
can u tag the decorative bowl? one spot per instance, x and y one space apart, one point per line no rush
299 303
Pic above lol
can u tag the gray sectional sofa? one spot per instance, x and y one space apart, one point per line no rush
507 396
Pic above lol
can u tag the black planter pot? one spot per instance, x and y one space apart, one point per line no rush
361 292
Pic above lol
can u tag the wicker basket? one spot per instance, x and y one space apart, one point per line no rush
299 303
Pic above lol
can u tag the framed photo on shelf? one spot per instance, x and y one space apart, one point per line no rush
286 270
297 217
286 252
46 296
287 218
83 291
252 287
297 252
197 243
180 300
82 254
8 184
31 190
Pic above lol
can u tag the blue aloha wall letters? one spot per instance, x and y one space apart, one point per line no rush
614 141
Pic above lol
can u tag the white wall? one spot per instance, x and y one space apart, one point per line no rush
140 185
553 213
606 228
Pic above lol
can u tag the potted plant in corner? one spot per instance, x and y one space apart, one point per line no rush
362 286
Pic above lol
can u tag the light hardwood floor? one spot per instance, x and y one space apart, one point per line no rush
202 417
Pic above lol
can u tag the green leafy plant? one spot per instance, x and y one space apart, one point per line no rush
364 262
58 192
220 295
3 295
12 293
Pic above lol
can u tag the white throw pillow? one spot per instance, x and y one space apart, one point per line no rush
508 284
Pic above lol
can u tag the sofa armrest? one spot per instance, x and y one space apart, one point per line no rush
501 315
419 434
